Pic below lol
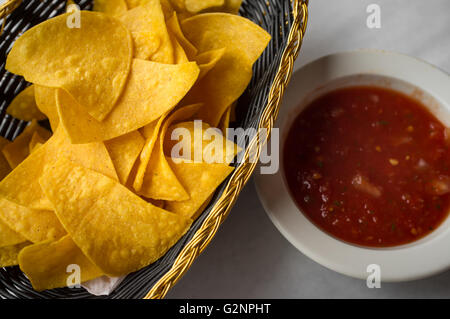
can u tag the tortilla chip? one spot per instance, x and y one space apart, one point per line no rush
208 60
231 6
159 180
9 254
47 264
167 9
24 108
9 237
16 152
35 147
111 7
203 207
5 169
200 180
178 5
151 133
36 141
91 62
174 27
244 42
114 228
124 151
46 103
135 3
166 6
149 130
152 90
195 6
21 186
203 144
179 55
155 202
34 225
149 32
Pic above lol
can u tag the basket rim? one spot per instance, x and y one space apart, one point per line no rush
219 212
5 9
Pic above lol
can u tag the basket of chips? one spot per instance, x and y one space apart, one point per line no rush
116 167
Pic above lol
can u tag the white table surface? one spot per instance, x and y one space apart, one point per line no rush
249 258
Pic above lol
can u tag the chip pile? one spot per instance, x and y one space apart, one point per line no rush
102 190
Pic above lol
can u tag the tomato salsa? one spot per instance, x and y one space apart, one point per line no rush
369 166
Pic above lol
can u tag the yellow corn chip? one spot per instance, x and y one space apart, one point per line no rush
204 144
46 103
155 202
178 5
91 62
203 207
124 151
244 42
9 254
53 264
149 130
167 9
165 4
208 60
111 7
159 180
24 108
178 52
200 180
135 3
174 27
36 141
34 225
9 237
152 90
233 6
4 165
18 150
151 133
229 6
21 186
114 228
35 147
149 32
195 6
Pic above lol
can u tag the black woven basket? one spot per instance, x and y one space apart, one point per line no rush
275 16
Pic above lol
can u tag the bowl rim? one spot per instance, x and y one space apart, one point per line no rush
417 260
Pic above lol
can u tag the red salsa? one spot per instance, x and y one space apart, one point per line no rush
369 166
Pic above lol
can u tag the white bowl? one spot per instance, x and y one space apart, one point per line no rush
425 257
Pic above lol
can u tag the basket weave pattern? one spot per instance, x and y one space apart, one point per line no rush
286 21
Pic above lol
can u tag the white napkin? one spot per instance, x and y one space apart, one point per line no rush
102 286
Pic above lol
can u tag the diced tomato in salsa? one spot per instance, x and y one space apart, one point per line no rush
369 166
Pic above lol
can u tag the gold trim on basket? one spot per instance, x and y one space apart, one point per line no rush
5 9
243 172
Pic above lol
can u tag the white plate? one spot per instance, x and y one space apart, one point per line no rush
425 257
